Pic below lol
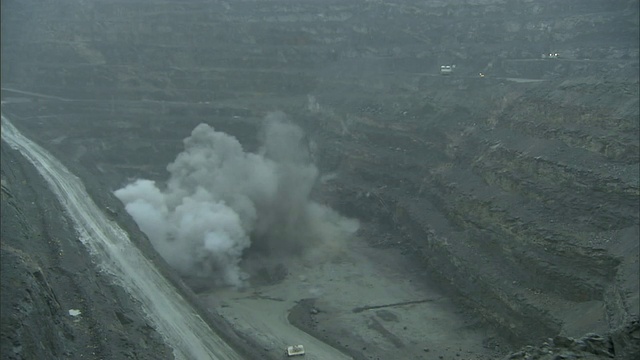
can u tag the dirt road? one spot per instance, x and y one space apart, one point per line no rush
175 319
366 302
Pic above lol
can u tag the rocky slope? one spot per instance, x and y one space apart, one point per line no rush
518 196
46 275
219 49
538 232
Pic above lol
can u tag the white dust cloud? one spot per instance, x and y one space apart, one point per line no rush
220 201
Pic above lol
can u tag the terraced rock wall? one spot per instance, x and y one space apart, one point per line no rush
527 224
211 50
520 196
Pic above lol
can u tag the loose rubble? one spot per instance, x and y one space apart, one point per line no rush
623 343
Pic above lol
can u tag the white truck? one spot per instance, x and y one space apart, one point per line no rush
446 69
295 350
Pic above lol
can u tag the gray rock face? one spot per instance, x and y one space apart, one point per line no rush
516 191
211 50
47 276
623 343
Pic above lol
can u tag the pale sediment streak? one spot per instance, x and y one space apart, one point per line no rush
113 252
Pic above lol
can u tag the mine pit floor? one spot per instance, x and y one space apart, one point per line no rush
356 302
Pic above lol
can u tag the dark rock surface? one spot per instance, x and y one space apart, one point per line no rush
46 272
622 343
519 197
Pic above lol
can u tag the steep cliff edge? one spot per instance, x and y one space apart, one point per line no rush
55 302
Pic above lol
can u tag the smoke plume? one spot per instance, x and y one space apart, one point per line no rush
220 202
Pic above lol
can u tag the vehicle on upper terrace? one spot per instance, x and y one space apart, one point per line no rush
446 69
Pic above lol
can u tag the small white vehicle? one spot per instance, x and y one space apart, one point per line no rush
446 69
295 350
